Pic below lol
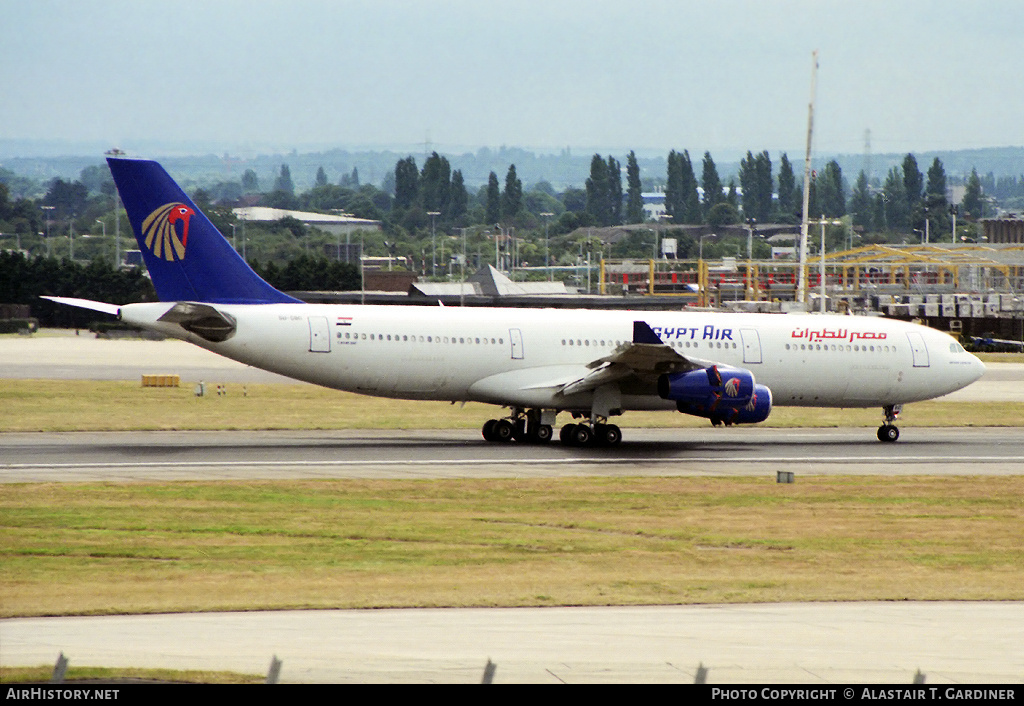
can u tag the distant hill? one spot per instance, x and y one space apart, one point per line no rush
1000 161
566 168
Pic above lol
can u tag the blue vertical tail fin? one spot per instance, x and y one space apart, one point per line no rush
187 257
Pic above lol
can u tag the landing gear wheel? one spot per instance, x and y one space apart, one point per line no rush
503 431
888 433
488 430
541 434
610 435
582 435
566 435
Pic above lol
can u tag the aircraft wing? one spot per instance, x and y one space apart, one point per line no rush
646 356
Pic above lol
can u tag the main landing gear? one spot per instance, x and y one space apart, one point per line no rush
525 427
584 434
889 432
535 427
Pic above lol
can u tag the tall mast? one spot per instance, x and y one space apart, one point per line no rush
801 291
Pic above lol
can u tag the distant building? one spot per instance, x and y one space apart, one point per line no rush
384 281
488 282
654 205
335 225
654 202
1008 229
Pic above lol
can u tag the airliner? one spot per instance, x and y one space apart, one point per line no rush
729 368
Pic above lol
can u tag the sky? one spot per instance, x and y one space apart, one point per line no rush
725 77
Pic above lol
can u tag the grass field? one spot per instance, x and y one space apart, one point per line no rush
99 548
76 405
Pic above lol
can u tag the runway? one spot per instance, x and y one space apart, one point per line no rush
235 455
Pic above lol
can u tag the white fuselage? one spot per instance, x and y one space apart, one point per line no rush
523 357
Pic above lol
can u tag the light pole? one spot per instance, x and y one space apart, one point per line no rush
104 226
115 152
750 237
433 244
823 221
462 287
48 215
547 250
499 237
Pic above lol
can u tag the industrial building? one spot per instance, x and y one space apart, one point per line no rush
335 225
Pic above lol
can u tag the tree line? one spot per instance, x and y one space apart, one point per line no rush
23 280
414 202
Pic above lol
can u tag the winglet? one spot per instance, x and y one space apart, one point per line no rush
642 333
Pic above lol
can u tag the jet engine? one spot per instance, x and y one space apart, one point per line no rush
719 393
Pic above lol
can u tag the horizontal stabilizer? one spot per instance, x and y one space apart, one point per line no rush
111 309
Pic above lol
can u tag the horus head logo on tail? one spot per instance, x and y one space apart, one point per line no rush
160 230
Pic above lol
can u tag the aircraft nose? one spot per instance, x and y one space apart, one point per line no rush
977 368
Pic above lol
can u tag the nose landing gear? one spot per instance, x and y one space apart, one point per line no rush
889 432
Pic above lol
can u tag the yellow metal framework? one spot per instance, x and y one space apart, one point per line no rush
849 271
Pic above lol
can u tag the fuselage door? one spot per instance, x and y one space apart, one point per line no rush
919 349
319 335
516 337
751 345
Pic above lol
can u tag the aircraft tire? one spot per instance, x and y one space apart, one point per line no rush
542 434
503 431
488 430
888 433
611 435
566 435
583 435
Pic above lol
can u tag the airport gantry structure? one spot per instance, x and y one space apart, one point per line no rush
932 282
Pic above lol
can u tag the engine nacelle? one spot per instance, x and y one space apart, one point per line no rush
709 386
719 393
755 410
